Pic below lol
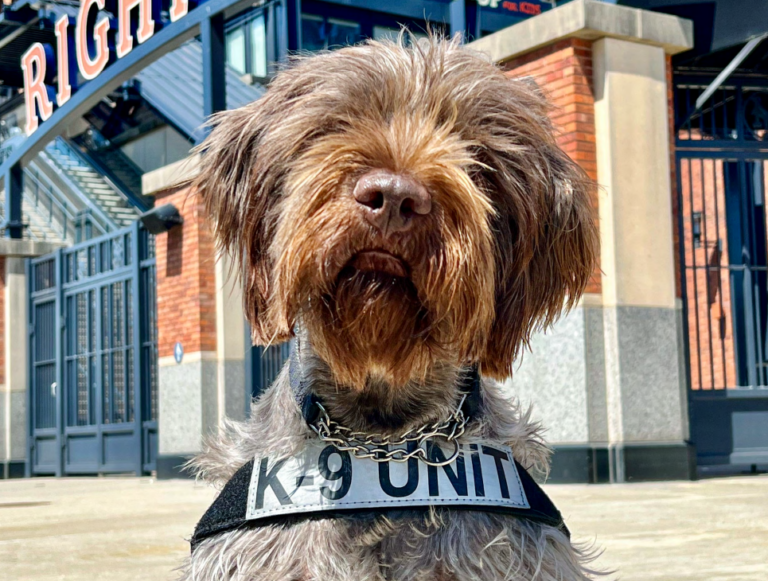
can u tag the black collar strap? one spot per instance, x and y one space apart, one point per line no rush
307 400
230 509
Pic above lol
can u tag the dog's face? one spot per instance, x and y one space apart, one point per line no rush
407 205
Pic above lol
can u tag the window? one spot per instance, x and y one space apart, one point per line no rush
390 33
236 49
157 148
258 47
385 33
246 45
321 32
328 25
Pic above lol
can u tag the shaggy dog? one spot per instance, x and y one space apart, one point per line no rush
404 210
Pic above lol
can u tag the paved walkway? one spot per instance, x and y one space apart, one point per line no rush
131 529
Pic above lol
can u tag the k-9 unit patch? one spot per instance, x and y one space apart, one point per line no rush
325 482
323 478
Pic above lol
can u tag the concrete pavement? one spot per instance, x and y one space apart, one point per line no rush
130 529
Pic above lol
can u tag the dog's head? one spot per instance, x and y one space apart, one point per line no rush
407 205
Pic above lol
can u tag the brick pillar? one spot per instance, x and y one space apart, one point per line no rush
594 377
199 307
186 317
563 70
570 397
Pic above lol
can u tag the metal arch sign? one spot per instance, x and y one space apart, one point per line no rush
93 40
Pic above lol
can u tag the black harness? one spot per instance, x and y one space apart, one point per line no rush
228 511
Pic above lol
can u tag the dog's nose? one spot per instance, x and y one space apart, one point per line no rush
391 201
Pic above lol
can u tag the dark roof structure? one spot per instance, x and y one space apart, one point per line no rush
173 85
719 26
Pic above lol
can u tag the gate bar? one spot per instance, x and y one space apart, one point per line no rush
59 319
726 72
138 351
214 66
14 189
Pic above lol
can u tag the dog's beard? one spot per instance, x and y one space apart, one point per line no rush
372 325
387 309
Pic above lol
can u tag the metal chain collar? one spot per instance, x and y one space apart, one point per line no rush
376 446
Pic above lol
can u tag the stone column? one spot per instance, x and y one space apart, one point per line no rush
606 381
13 397
646 392
233 394
14 352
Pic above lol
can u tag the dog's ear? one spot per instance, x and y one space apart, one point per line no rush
546 240
239 182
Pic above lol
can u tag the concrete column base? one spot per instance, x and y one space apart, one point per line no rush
13 432
606 384
13 469
188 410
172 466
602 463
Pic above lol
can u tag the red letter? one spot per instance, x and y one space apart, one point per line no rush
146 24
33 69
90 68
62 60
179 8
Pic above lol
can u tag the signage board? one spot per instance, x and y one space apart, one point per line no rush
85 46
516 8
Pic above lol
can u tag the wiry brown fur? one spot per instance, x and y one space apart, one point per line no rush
508 244
510 240
447 545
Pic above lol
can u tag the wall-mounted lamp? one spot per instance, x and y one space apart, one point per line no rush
696 228
161 219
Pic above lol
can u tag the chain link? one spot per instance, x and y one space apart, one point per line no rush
376 446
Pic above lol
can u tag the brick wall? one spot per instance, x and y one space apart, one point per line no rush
708 284
564 71
673 171
186 297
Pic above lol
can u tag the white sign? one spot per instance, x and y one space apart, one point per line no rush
90 42
324 478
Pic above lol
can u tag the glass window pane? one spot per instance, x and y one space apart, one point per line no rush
259 47
312 32
342 32
236 49
385 33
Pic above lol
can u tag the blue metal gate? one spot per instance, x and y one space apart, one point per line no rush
265 365
722 173
93 355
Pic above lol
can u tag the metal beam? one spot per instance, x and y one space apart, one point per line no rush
472 15
457 18
166 40
293 20
726 72
214 65
8 39
14 189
